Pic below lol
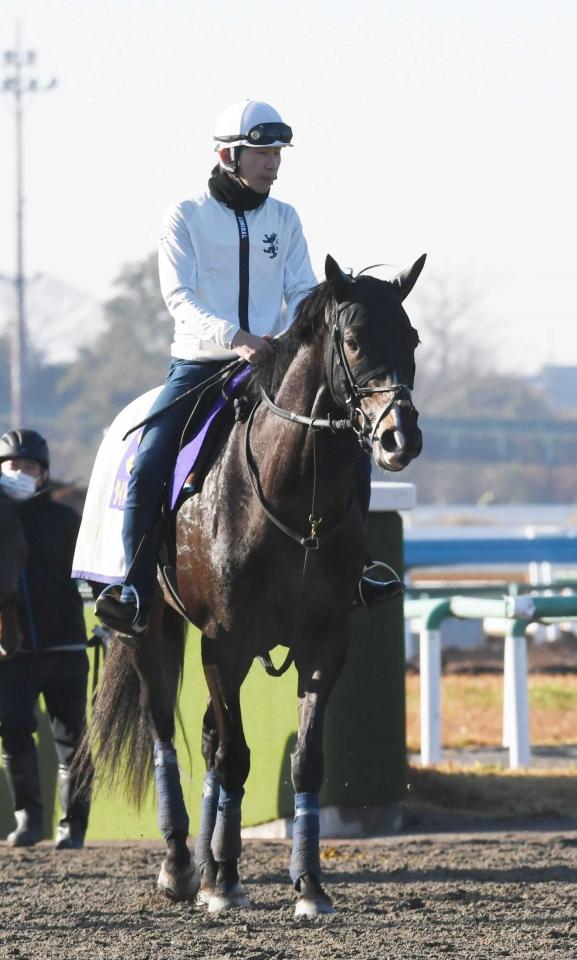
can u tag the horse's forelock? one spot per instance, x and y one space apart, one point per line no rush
308 324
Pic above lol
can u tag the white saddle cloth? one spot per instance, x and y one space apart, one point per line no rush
99 553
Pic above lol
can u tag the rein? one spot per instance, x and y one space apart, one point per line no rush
316 423
356 391
401 396
357 422
313 541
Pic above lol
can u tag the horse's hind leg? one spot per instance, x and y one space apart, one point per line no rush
231 765
318 671
159 666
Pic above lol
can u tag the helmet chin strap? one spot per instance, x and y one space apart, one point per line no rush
232 167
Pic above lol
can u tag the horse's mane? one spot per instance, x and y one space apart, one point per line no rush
307 326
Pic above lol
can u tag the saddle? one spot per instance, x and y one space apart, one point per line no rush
206 431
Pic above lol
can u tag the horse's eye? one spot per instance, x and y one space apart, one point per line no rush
352 344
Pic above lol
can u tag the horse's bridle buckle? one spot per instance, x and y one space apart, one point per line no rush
312 541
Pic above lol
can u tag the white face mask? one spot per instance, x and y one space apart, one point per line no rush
17 485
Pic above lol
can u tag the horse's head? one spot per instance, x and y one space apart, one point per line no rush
370 363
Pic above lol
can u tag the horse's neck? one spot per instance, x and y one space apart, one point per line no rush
302 388
294 455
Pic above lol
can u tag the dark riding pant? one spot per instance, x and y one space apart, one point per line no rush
152 469
61 678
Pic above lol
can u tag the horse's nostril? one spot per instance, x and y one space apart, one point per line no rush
388 441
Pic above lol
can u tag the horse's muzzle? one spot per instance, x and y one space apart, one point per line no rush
394 449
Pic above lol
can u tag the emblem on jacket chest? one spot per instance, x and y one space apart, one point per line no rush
272 249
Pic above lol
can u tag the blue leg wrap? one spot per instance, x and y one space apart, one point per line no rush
226 843
305 857
171 811
208 811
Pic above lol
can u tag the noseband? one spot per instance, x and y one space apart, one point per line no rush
347 391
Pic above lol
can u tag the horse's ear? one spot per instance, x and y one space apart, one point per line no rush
404 282
339 283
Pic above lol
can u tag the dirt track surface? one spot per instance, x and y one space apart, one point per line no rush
479 895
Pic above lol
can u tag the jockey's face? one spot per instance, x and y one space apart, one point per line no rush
258 167
22 464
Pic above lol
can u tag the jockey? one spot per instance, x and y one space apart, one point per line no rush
229 259
51 659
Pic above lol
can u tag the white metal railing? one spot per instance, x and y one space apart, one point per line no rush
518 611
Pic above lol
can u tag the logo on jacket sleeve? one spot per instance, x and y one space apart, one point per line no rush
272 249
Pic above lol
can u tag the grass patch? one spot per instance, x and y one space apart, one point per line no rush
472 710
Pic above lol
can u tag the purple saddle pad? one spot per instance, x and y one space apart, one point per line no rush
190 452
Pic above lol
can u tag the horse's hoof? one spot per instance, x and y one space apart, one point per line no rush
232 899
182 885
312 900
204 895
208 874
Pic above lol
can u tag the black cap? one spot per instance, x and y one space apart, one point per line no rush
24 443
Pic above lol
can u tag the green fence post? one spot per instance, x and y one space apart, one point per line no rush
365 742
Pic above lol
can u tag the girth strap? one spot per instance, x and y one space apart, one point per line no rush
269 666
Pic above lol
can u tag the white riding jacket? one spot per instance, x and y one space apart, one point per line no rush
200 273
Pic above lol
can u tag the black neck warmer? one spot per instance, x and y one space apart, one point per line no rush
233 193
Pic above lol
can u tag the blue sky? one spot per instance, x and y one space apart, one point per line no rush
442 127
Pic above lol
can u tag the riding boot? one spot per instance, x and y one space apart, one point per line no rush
24 781
75 804
119 608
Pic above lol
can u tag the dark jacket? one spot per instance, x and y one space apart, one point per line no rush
51 611
13 547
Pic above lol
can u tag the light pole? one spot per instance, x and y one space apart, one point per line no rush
18 82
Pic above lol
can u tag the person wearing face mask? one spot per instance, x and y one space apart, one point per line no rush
52 658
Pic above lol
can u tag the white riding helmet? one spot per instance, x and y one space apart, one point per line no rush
251 123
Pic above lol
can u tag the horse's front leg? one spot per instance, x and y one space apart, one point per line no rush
318 669
230 766
178 877
207 866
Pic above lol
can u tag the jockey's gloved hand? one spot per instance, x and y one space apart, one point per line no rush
250 347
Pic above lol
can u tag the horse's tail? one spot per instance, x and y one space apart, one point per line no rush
119 738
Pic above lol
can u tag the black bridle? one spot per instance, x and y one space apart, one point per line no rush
357 422
347 392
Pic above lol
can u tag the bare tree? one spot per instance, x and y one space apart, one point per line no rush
457 343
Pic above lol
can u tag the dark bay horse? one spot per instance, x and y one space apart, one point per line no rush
269 552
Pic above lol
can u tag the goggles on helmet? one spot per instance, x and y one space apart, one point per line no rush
262 135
